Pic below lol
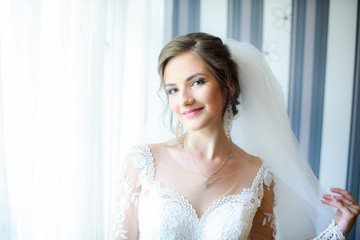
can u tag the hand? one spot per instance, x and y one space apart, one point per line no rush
348 208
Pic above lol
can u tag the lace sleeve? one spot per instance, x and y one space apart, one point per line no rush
332 232
125 224
263 226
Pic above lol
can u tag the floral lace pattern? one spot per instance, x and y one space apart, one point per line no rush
165 214
125 197
332 232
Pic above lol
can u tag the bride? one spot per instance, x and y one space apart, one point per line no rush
201 185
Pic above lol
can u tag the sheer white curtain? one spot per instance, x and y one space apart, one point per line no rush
76 80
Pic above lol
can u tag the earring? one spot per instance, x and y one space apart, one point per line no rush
179 134
228 117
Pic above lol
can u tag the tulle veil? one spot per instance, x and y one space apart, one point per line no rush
262 128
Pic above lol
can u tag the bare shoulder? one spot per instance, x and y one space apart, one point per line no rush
248 161
159 150
158 147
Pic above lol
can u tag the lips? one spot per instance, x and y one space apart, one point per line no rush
192 112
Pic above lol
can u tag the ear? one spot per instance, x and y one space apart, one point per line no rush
232 89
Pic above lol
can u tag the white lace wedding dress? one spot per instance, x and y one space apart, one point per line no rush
156 203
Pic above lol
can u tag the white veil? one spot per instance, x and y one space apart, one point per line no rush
263 126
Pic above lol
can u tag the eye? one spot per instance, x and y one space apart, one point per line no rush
171 91
198 82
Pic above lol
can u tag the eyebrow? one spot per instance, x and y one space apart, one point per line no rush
187 79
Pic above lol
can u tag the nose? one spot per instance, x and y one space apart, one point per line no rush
186 97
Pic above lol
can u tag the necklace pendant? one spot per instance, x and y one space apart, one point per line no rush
206 184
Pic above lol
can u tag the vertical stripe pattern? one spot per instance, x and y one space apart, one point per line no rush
245 21
307 75
318 84
186 17
353 180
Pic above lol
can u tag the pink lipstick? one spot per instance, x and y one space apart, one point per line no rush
192 112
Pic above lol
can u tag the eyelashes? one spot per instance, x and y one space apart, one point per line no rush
198 82
194 83
171 91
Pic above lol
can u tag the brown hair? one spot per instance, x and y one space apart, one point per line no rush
214 54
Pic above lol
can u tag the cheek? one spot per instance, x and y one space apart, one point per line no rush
173 104
215 97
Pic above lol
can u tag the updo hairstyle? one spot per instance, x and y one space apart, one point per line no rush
216 57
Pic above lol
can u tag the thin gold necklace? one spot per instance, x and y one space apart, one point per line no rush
207 177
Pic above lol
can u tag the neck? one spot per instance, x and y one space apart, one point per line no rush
208 146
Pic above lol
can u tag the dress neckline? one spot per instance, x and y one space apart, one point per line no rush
191 210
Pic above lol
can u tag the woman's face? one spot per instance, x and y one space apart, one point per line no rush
194 94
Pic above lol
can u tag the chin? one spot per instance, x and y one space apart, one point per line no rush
196 127
198 124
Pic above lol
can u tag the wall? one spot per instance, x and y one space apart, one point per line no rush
338 92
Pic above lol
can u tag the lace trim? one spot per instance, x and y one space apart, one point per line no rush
172 194
332 232
268 178
273 223
144 159
242 198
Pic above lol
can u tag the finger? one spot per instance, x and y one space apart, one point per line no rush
337 204
345 208
328 202
343 192
339 198
353 208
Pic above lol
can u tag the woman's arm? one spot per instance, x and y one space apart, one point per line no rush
348 209
263 226
345 216
125 224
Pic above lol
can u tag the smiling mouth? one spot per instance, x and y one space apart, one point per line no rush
192 112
